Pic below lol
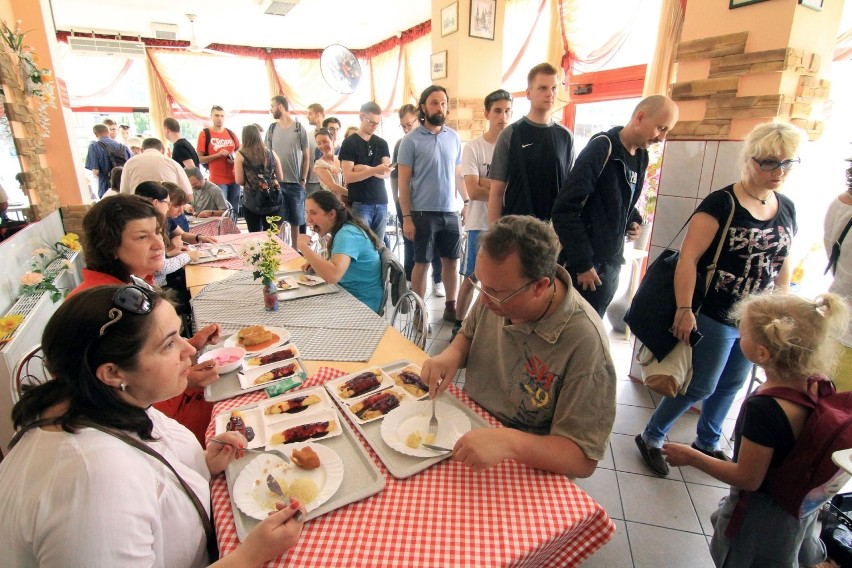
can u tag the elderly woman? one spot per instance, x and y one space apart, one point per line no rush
124 240
754 258
354 248
78 495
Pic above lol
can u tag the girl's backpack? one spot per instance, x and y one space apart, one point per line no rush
261 192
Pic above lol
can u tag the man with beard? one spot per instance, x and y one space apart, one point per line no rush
597 208
289 140
533 156
365 160
429 157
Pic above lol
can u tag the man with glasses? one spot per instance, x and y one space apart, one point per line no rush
597 208
289 141
407 121
153 165
536 355
332 124
365 160
216 147
476 163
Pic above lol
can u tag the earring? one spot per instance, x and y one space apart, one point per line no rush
123 387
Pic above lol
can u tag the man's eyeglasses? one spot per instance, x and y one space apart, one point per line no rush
132 298
494 300
372 122
409 125
772 165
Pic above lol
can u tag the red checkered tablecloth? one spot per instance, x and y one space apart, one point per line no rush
448 515
210 227
287 252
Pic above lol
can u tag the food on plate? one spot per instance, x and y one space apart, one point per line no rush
274 357
237 424
411 381
304 432
414 440
222 251
293 405
284 284
254 335
226 358
430 438
376 405
275 374
304 490
306 458
365 382
265 496
309 280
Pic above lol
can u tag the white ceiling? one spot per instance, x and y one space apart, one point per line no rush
311 24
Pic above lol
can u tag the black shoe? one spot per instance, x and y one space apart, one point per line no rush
653 457
718 454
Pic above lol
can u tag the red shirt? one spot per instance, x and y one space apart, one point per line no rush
221 169
92 278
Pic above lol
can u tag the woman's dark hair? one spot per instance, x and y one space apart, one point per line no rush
252 145
328 202
73 350
103 226
115 178
152 190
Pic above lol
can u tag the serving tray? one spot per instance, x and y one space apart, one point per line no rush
301 290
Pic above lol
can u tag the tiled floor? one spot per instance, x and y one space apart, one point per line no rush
659 522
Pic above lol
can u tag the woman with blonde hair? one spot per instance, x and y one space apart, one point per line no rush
754 258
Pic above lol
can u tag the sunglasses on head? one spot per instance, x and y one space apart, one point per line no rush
501 95
133 298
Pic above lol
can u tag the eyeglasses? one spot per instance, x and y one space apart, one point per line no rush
494 300
372 122
772 165
132 298
408 125
499 95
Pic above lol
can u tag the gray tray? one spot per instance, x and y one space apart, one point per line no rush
400 465
304 291
228 385
361 477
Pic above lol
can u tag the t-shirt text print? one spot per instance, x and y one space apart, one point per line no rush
762 252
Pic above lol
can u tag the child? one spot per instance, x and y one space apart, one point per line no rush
787 336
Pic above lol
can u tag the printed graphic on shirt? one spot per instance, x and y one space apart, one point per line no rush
536 384
217 144
764 251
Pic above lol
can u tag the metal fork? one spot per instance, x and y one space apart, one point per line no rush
433 422
280 454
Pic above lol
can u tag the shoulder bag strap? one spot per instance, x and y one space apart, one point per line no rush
212 548
206 141
711 269
835 250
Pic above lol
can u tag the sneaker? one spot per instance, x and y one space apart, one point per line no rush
450 315
653 457
718 454
438 289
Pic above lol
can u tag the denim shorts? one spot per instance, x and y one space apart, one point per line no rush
436 232
293 208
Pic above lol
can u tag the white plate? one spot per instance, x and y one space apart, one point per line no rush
384 382
283 337
213 252
248 367
414 369
251 418
404 398
287 283
414 417
247 378
253 497
309 280
323 404
288 421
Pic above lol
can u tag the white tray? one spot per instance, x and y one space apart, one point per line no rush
212 252
303 290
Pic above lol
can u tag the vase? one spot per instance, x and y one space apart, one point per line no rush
270 296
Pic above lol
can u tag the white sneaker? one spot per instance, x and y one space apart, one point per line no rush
439 291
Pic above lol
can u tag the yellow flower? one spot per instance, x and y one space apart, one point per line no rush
10 323
71 241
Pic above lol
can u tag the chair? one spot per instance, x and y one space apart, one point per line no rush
392 277
228 222
411 318
393 230
29 372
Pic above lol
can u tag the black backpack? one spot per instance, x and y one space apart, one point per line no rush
261 191
207 143
116 157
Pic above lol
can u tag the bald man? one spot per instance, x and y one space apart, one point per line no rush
597 207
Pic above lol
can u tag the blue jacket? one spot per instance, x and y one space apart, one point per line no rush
593 211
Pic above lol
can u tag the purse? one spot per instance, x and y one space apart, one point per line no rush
666 362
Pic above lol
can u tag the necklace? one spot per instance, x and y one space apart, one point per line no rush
747 192
550 303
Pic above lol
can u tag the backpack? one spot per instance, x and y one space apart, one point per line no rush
271 129
808 477
207 143
116 157
261 191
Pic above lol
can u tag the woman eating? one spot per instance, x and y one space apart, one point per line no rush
354 262
124 240
76 495
327 167
754 258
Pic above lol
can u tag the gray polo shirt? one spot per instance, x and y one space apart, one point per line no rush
433 159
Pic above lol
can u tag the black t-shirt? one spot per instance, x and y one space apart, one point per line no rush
762 420
359 151
752 255
183 150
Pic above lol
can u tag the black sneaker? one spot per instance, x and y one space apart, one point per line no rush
653 457
718 454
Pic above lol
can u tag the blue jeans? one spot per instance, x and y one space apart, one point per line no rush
375 215
719 370
293 207
232 194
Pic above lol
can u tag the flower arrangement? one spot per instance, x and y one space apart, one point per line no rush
38 280
264 256
38 81
8 325
647 203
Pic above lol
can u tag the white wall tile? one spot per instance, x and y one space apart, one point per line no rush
672 213
727 168
681 169
705 185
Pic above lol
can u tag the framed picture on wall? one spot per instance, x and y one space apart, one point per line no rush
814 4
483 16
740 3
450 19
439 65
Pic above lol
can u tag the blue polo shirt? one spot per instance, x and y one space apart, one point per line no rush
433 159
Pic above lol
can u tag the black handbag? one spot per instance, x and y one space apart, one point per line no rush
653 308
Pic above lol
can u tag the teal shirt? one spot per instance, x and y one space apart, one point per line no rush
361 279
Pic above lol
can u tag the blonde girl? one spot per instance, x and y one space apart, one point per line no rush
787 336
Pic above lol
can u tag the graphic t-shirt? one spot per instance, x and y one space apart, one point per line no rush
476 161
632 173
752 255
221 169
367 152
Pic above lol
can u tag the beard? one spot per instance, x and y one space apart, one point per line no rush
276 114
437 119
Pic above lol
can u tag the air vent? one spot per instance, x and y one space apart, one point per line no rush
95 46
277 7
165 31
